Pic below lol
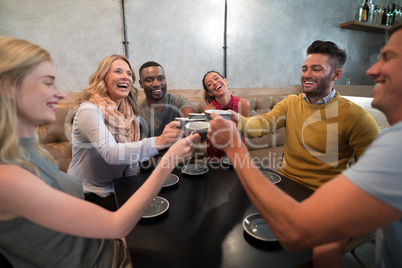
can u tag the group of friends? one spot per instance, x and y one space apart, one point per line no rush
50 218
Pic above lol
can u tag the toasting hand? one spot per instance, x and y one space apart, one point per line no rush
223 133
171 133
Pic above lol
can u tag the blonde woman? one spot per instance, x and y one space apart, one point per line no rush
44 221
106 134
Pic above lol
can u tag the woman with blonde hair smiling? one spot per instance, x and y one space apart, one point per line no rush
44 221
106 134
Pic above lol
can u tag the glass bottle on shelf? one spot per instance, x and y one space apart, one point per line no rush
371 11
365 12
362 14
376 15
384 17
389 17
380 12
398 17
359 12
393 14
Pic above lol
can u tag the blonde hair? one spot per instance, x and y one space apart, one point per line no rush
97 80
17 58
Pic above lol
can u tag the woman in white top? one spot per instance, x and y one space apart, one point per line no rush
106 134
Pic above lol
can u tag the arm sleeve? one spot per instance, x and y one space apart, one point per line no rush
363 133
180 101
90 124
260 125
379 170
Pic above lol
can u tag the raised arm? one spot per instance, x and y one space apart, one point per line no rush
244 107
209 106
186 110
321 218
171 133
184 104
42 204
89 126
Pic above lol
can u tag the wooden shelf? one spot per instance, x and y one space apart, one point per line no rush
364 26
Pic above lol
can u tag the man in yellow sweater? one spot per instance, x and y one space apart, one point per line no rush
362 198
323 130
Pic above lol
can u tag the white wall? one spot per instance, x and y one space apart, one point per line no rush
267 40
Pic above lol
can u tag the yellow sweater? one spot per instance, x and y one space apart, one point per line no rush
320 139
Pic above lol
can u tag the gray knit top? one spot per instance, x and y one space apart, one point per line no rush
27 244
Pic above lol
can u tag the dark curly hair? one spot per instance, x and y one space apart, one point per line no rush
337 55
208 99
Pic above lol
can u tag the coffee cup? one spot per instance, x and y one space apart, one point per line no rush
225 114
183 121
199 116
198 127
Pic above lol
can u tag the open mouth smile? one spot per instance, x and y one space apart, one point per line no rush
309 84
122 85
157 91
52 106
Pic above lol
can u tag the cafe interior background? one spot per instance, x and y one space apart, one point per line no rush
257 43
266 40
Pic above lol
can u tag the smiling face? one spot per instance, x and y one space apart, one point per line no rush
119 81
387 75
317 77
216 85
153 81
36 99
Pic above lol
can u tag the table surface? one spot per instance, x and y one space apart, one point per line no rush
203 226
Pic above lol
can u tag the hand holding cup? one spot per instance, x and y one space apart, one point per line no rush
223 133
182 150
171 133
198 127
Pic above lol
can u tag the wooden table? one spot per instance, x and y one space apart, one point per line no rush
203 225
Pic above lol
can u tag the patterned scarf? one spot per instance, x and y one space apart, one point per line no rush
121 122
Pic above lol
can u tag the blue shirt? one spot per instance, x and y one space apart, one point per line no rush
324 100
379 173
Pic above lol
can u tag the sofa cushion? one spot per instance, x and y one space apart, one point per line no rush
197 104
56 137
